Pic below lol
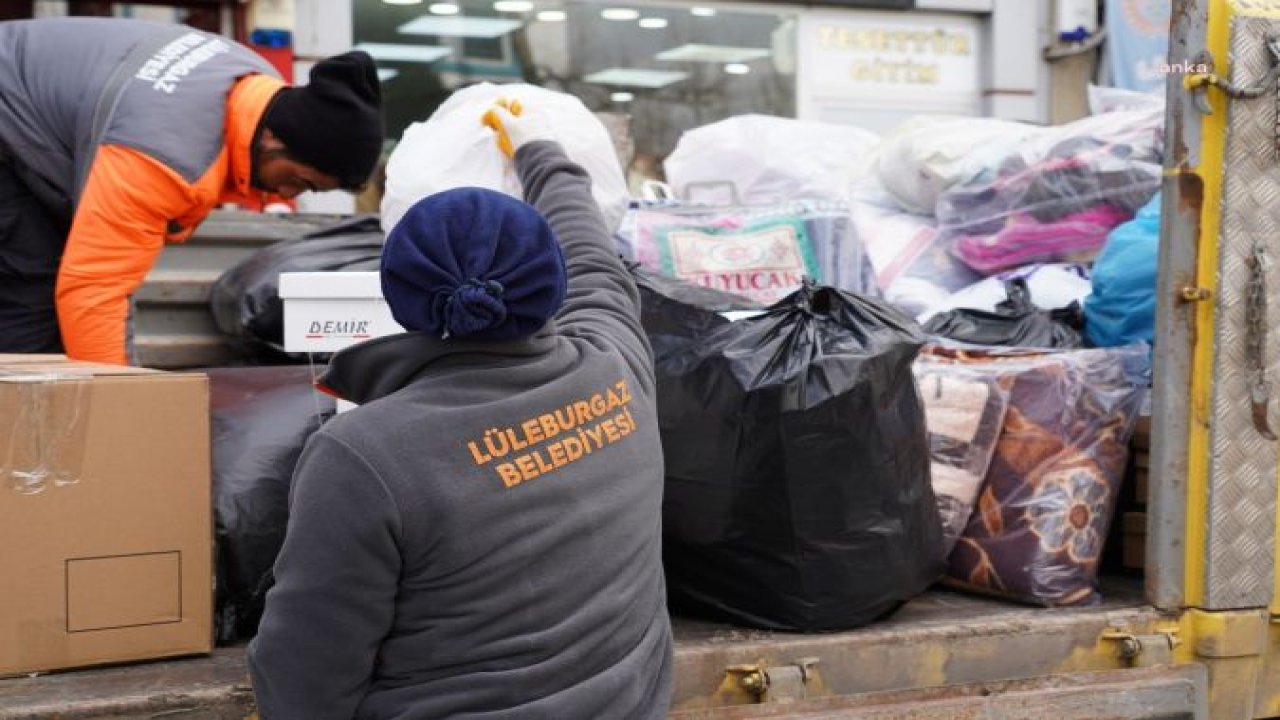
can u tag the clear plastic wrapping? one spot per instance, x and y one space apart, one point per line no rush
914 266
964 413
757 252
45 417
1055 197
929 154
1037 532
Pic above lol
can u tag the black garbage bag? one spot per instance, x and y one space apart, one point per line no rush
675 313
245 299
260 419
1016 322
797 467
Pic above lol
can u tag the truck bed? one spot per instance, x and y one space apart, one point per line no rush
940 638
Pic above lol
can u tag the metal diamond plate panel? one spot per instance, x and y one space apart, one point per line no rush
1256 7
1242 480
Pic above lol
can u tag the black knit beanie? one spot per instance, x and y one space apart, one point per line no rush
333 123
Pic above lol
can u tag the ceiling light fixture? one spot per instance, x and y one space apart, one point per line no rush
443 9
385 74
653 23
477 27
622 97
703 11
620 14
737 69
405 53
636 77
553 16
513 6
695 52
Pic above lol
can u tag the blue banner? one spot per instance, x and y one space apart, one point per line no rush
1138 43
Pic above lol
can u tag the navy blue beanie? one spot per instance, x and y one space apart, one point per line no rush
473 264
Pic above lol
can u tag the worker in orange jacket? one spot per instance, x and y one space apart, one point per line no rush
117 136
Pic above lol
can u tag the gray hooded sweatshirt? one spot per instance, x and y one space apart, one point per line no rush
481 537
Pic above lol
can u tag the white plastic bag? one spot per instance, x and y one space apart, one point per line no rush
928 154
453 148
769 159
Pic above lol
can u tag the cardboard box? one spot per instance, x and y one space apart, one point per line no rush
40 358
105 515
328 311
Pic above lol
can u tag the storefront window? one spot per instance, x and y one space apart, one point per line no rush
666 68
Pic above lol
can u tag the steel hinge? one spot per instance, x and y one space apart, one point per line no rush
778 683
1143 650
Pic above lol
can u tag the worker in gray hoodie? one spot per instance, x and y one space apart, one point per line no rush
481 537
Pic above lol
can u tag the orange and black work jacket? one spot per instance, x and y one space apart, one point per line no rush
131 132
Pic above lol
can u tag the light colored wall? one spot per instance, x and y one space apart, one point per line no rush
1016 74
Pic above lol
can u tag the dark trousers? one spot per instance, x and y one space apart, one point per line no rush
31 244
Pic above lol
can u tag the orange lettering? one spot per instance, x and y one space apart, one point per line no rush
566 423
556 451
598 406
527 468
574 450
479 456
511 436
543 467
614 401
582 411
510 476
624 424
610 431
624 391
532 431
549 426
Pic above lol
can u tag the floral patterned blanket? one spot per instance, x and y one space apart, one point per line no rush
1050 492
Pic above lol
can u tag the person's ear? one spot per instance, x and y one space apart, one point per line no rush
269 141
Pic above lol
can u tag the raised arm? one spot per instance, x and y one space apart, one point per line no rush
602 297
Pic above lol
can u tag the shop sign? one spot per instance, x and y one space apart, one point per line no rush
910 61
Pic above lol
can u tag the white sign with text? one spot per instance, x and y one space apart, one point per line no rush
874 69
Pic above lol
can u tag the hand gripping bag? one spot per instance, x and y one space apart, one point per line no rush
797 467
454 149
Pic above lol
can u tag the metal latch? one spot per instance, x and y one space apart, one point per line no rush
1145 650
1199 83
779 683
1195 294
